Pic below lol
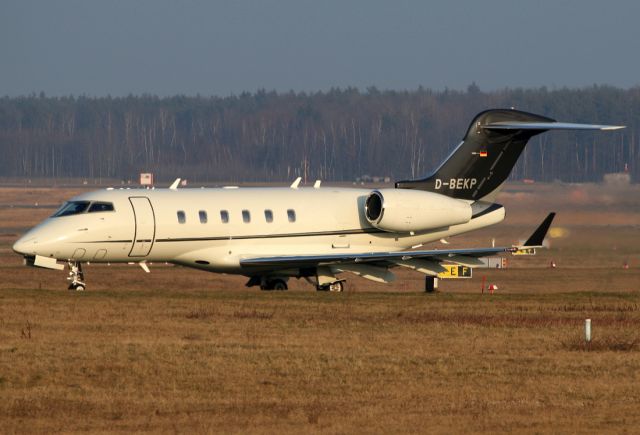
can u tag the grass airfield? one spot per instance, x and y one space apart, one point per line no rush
179 350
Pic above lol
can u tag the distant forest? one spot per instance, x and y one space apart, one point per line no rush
337 135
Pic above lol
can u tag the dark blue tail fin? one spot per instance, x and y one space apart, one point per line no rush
483 161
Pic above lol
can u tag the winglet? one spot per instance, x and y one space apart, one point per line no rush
539 234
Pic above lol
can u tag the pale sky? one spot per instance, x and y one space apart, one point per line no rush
101 47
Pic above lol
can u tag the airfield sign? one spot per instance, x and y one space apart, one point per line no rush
454 271
525 251
146 179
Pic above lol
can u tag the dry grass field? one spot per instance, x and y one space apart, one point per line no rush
186 351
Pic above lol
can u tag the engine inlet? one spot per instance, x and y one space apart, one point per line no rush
373 206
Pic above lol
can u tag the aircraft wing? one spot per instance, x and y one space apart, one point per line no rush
367 257
466 257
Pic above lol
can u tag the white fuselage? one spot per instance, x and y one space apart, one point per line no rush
187 227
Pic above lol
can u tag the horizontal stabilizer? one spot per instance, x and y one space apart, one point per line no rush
540 233
512 125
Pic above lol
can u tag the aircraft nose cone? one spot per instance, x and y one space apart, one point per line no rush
24 246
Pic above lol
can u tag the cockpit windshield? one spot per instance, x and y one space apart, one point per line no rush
100 206
78 207
72 207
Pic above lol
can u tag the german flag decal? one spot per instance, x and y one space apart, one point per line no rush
483 154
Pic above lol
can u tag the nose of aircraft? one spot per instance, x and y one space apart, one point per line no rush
25 245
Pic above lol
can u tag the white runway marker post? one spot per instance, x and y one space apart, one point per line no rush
587 330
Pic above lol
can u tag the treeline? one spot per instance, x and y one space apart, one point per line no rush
336 135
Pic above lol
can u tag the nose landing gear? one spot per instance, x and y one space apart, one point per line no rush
337 286
76 276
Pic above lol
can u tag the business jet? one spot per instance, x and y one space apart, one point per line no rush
271 235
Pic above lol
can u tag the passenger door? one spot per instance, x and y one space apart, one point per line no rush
145 226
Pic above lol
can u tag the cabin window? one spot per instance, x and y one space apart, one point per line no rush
203 216
100 206
268 215
224 216
182 218
246 216
291 215
71 208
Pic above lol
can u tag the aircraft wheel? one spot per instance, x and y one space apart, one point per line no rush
337 286
279 285
77 287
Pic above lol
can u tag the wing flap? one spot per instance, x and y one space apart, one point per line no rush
423 266
463 260
372 273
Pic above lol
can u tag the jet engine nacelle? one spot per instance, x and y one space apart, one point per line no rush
408 210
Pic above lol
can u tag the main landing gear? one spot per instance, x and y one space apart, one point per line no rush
274 284
280 283
268 283
76 276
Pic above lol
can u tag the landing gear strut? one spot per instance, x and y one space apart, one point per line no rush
76 276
